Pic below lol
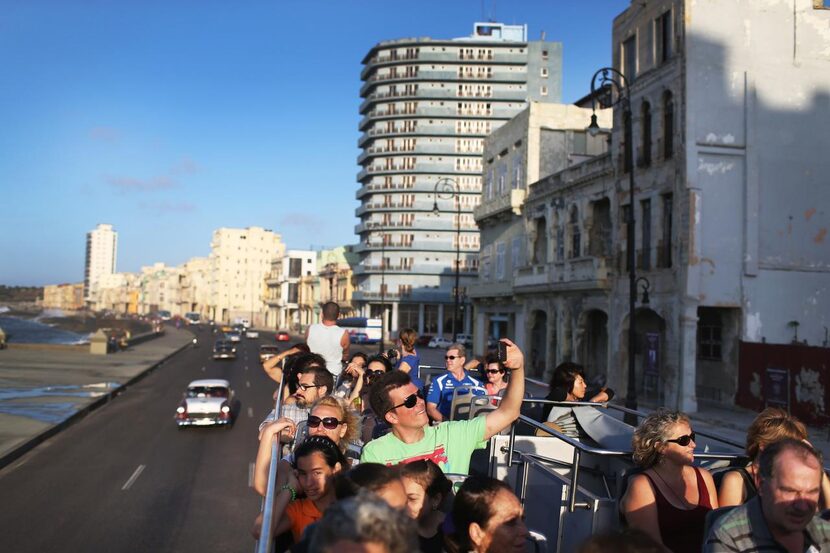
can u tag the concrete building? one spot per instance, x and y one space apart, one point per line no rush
158 289
542 140
119 293
101 251
195 287
283 288
428 105
67 297
240 260
336 277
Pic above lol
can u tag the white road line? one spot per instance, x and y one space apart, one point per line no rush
247 383
246 367
250 475
203 369
133 478
250 412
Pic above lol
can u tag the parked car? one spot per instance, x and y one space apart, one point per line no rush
282 336
251 334
206 402
423 340
464 339
224 350
439 342
267 352
359 338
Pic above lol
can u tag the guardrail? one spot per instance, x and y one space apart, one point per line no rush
265 543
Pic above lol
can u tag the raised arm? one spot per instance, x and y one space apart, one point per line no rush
271 365
263 456
511 404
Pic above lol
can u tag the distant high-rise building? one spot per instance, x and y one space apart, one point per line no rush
428 105
101 249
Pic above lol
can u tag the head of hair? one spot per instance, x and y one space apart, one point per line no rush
628 540
365 519
804 451
565 374
429 476
380 358
771 425
473 503
360 354
489 359
407 336
379 391
323 445
330 311
650 436
370 477
346 415
462 351
322 377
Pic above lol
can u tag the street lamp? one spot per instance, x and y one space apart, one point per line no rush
609 88
447 188
382 291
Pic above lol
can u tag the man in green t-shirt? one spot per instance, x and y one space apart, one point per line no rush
449 444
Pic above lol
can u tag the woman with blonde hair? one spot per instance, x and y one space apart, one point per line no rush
670 498
771 425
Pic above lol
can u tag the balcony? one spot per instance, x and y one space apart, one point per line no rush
512 202
582 273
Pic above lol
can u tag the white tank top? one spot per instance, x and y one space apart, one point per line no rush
325 340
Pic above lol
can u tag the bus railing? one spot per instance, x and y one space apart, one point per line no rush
266 538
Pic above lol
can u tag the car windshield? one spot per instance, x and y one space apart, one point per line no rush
207 391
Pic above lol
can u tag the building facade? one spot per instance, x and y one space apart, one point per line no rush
428 105
240 261
67 297
101 252
283 282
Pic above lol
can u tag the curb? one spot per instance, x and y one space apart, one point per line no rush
33 442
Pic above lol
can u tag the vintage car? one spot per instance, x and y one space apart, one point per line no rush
251 334
282 336
206 402
233 336
224 349
439 342
267 352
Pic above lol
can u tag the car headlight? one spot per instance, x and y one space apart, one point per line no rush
226 409
180 409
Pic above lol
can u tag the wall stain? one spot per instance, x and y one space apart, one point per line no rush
819 239
809 213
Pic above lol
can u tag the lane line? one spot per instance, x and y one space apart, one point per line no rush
133 478
250 412
250 475
247 383
203 369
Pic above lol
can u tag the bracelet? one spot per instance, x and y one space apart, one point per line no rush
290 489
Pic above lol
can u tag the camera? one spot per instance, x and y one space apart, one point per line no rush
391 354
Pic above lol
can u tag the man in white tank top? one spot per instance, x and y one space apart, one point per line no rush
329 340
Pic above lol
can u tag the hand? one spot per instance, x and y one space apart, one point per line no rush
272 429
515 357
355 369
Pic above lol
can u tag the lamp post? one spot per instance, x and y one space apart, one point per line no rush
609 88
447 188
382 291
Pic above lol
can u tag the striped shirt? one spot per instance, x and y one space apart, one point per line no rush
745 529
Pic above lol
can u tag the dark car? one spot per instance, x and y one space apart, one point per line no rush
224 350
359 338
423 339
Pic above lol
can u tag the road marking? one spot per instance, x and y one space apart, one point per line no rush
246 367
133 478
203 369
250 412
250 475
247 383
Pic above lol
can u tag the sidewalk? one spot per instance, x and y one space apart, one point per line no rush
45 389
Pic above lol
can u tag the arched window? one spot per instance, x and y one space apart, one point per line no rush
576 237
668 125
645 132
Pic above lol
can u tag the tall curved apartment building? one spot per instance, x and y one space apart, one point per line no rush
427 107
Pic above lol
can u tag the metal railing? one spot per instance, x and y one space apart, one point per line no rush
265 542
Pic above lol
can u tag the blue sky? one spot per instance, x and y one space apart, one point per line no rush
169 119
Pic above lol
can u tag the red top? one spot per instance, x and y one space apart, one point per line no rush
682 529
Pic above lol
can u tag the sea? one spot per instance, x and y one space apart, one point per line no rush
32 331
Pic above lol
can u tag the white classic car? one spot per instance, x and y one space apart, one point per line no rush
206 402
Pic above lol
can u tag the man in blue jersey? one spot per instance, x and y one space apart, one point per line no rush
439 398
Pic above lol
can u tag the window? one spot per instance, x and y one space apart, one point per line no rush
560 242
500 260
663 34
544 72
668 125
664 258
645 132
629 58
516 252
709 335
645 254
576 236
543 91
544 54
295 268
517 173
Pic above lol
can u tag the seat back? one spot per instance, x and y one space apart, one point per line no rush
462 398
427 372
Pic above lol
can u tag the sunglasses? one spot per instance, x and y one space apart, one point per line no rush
374 373
494 371
328 422
410 401
452 357
683 440
305 387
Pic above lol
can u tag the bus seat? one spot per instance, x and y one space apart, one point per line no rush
462 399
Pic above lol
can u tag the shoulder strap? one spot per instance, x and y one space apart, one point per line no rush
702 490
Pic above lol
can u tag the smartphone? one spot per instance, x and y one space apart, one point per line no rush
502 351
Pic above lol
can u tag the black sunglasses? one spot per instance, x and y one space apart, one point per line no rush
683 440
410 401
328 422
452 357
494 371
375 373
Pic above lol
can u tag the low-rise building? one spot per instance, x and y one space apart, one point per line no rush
67 297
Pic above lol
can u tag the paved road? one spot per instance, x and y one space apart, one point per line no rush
127 479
